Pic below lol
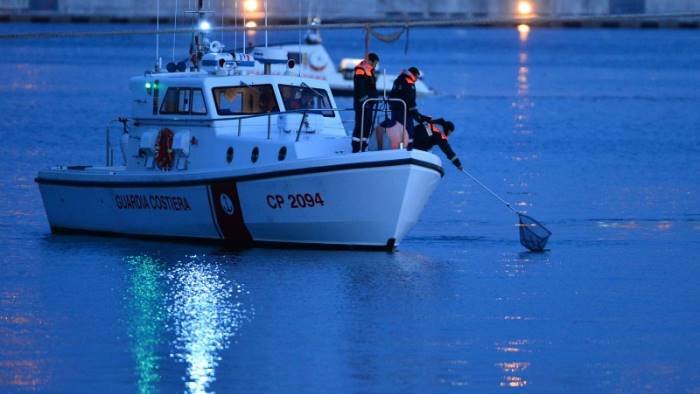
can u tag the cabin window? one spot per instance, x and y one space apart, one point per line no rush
239 100
305 97
198 105
183 101
282 153
255 154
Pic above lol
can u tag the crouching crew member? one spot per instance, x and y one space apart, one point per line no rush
365 87
435 132
404 88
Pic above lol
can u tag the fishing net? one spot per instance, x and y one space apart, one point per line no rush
533 235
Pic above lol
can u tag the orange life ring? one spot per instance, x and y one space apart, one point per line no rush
164 149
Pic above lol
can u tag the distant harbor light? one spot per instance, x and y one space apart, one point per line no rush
250 5
525 8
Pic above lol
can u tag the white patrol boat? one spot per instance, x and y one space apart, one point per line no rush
217 152
314 62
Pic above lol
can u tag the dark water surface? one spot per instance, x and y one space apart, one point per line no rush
595 132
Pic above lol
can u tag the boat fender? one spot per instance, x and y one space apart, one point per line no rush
164 149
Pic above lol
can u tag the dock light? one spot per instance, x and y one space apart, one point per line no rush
524 8
204 26
250 5
251 24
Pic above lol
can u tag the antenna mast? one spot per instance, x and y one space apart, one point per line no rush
199 47
157 36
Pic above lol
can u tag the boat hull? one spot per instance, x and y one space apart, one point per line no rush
371 204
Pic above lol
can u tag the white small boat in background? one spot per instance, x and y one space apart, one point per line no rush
314 62
220 152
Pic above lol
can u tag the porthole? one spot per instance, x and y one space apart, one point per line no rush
282 154
229 154
254 154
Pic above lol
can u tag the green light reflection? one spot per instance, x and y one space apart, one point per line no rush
148 318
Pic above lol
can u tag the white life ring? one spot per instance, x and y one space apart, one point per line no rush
317 61
216 47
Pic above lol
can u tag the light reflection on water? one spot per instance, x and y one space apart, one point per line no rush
206 313
608 152
192 302
146 299
18 369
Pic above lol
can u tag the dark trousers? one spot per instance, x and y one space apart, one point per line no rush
361 138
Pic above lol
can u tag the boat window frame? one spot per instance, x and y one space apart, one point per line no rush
273 95
190 110
325 112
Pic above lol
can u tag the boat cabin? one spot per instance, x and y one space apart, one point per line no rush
207 119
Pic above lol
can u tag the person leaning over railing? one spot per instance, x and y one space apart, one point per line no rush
428 134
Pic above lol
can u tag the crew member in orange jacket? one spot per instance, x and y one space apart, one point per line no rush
404 88
428 134
365 87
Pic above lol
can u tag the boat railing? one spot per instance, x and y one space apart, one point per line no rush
109 150
386 101
304 118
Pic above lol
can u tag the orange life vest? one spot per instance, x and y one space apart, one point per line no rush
364 68
410 78
435 129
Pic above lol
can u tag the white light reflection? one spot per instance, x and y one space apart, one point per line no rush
513 369
523 149
206 312
524 31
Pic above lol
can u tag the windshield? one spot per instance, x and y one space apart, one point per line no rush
304 97
239 100
183 101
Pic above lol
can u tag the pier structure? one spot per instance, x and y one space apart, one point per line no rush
657 13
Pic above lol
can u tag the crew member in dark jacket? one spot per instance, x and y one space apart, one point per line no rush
404 88
365 87
435 132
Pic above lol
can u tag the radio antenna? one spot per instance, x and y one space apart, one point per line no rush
235 24
174 30
300 56
245 32
157 36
